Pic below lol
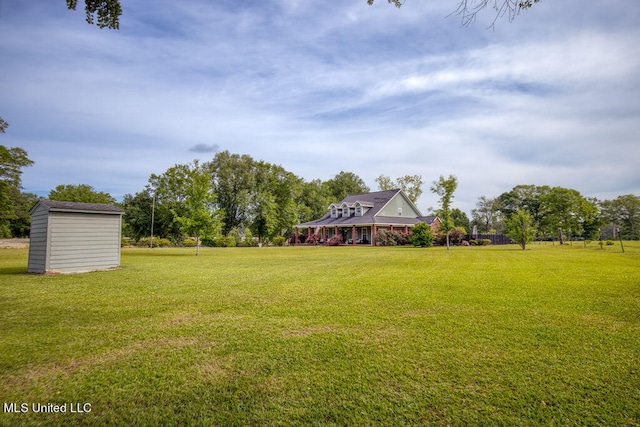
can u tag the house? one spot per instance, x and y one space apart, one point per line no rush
358 218
73 237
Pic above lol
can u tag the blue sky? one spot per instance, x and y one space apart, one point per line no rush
552 98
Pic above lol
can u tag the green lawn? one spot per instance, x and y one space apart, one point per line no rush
328 336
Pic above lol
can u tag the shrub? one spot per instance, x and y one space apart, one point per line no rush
127 241
312 239
421 235
189 242
336 240
609 243
386 238
279 240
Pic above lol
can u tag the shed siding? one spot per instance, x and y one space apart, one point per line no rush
38 241
81 241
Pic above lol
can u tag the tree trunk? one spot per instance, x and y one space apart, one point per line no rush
560 236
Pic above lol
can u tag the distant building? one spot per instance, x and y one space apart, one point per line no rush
71 237
358 218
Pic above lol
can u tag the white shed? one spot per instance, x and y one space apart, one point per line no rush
71 237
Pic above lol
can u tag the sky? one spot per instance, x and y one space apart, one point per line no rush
550 98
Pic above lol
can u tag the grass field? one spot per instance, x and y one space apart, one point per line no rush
327 336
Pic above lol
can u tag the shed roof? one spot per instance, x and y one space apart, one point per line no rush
56 206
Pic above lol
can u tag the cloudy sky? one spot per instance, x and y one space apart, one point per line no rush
552 98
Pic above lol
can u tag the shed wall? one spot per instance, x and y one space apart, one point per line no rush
81 241
38 241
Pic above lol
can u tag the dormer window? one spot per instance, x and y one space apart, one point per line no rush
334 212
358 209
345 211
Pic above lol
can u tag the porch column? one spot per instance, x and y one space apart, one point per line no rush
354 237
406 229
324 235
373 235
391 228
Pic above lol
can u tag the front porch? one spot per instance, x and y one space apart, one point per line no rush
342 235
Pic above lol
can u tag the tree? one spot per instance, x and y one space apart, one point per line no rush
345 184
469 9
233 181
12 160
567 209
460 219
520 228
623 212
3 125
410 184
81 193
445 189
107 12
138 211
313 200
486 213
421 235
198 217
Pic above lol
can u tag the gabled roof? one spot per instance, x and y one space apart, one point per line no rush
376 201
56 206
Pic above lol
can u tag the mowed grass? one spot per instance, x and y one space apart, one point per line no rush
328 336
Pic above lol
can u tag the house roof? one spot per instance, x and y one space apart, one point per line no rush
378 200
56 206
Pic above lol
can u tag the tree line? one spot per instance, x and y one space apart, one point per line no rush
236 195
557 212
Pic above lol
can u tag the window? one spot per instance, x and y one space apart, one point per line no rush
399 211
334 212
358 209
345 211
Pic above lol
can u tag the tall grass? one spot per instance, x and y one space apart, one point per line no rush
337 336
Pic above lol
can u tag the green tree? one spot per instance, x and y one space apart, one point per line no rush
3 125
421 235
138 212
104 13
521 228
460 219
345 184
170 190
445 189
623 212
20 224
567 209
198 216
410 184
12 161
313 200
486 214
233 178
81 193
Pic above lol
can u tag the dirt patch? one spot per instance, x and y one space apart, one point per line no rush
14 243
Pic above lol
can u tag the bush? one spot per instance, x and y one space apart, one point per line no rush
609 243
480 242
421 235
158 242
312 240
189 242
279 240
127 241
336 240
385 238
